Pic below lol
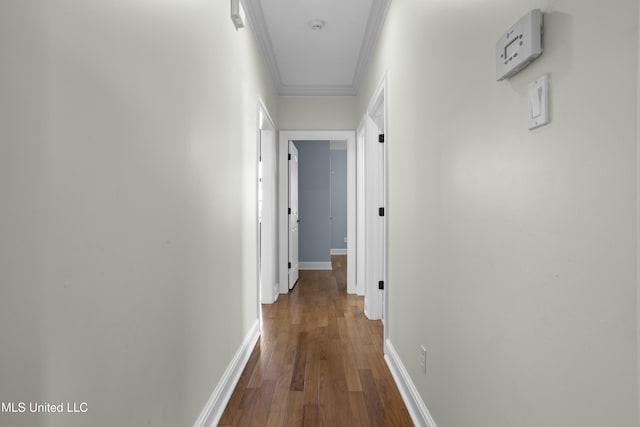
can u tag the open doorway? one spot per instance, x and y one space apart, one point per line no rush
317 208
366 205
347 138
372 142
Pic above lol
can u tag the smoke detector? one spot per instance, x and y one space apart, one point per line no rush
317 24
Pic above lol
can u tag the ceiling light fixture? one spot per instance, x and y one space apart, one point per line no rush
317 24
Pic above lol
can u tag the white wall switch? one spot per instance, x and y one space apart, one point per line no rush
538 97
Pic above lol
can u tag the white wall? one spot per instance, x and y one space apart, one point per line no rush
638 222
23 152
317 112
512 253
128 184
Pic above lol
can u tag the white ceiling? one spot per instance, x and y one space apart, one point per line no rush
307 62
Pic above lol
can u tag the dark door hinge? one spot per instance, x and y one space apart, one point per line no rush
289 156
381 284
380 211
289 211
381 137
289 265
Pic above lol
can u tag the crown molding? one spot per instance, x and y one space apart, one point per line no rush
257 22
320 90
376 19
377 16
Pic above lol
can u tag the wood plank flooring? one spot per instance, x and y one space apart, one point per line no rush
319 362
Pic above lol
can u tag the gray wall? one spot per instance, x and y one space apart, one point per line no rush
338 198
512 253
314 198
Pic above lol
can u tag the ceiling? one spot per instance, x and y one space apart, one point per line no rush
304 61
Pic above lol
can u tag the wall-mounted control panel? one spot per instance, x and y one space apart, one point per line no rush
519 45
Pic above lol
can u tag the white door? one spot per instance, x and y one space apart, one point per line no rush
261 242
267 217
374 221
293 215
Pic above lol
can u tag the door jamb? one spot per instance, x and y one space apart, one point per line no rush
379 103
360 210
265 122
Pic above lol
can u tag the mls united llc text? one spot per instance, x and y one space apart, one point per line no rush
44 407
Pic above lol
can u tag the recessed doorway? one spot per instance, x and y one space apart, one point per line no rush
348 137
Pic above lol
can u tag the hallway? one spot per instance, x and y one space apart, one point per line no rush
319 361
131 140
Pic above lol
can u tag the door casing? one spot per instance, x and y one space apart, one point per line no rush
267 229
293 259
283 147
378 114
360 209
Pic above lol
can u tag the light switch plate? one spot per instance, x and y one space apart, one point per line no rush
538 99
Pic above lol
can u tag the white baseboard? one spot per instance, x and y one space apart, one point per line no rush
274 296
315 266
416 406
339 251
264 300
214 408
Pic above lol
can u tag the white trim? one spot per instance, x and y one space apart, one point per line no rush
274 297
257 22
320 90
317 135
338 251
412 399
351 214
375 196
267 240
378 15
360 209
315 265
210 415
258 25
378 112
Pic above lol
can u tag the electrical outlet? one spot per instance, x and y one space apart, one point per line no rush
423 359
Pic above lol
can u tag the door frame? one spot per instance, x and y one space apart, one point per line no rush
378 112
360 188
316 135
293 214
266 238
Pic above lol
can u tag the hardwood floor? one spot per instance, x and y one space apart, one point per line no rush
319 362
